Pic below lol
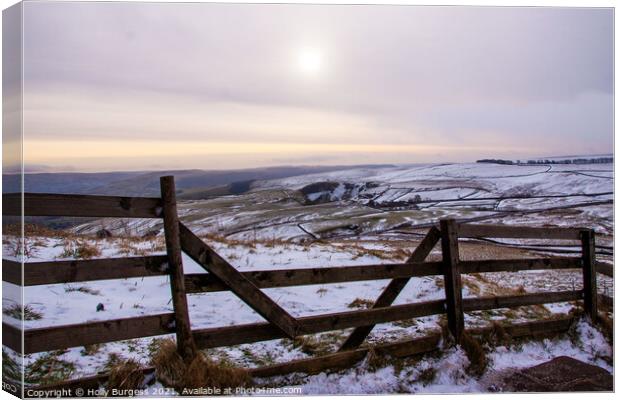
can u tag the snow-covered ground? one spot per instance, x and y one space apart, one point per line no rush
447 373
370 216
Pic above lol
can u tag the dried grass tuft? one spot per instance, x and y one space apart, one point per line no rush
201 372
375 359
204 372
475 353
498 334
446 336
126 375
361 303
169 366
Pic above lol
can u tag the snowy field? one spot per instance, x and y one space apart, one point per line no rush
348 217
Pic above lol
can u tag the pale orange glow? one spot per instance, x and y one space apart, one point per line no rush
110 155
45 151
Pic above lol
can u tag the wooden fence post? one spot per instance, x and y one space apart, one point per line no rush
588 254
185 341
452 278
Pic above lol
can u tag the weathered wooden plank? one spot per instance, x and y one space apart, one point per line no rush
605 268
12 272
185 341
514 265
588 253
200 252
411 347
452 278
523 232
488 303
256 332
12 204
238 334
12 337
393 289
346 359
605 302
349 319
52 272
64 336
313 365
534 328
75 205
198 283
40 273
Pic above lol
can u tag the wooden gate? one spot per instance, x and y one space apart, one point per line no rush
247 285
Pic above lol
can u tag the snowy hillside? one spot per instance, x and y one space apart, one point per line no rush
353 216
385 201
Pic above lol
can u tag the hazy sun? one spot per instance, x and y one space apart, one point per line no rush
310 61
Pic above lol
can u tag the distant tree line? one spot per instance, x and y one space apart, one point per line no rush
495 161
600 160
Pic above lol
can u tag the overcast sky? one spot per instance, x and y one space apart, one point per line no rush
119 86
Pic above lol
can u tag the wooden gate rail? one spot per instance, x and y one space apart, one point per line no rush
70 271
199 283
64 336
519 300
74 205
604 268
74 335
466 230
55 272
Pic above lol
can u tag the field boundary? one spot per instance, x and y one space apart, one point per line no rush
343 360
220 276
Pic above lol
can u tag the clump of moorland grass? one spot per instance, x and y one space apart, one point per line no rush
82 289
375 359
204 372
426 376
80 249
126 375
361 303
49 368
169 365
91 349
10 368
476 354
200 372
27 313
496 335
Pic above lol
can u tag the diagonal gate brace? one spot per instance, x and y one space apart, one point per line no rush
200 252
393 289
